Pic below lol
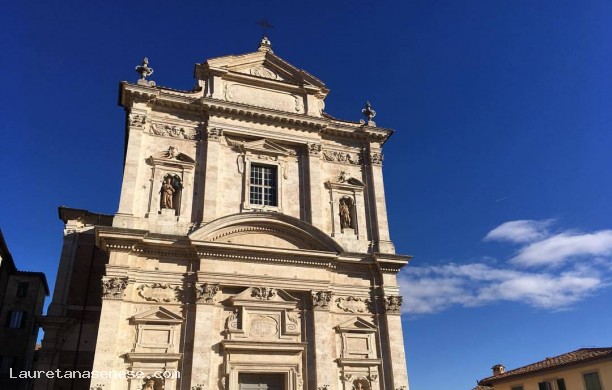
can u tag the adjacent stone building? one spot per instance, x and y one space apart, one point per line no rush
251 247
22 296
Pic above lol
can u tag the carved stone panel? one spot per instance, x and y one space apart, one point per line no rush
160 292
263 327
341 157
353 305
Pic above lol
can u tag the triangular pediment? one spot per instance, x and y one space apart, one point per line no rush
357 324
264 65
157 315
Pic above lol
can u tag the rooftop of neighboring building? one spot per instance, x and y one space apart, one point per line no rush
578 356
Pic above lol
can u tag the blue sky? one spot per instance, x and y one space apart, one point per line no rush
498 177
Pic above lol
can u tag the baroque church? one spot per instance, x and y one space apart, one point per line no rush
250 250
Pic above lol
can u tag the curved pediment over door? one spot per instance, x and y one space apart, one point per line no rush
269 230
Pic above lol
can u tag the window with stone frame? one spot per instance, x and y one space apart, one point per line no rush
263 185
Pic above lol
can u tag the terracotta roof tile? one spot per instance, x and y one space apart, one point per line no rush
575 357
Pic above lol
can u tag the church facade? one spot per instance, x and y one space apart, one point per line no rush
251 247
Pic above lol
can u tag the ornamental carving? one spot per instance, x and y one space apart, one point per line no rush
321 106
263 327
294 319
172 131
263 293
376 158
137 120
393 304
214 134
205 293
231 322
323 387
114 287
342 157
321 299
353 305
314 149
227 92
299 104
260 71
160 292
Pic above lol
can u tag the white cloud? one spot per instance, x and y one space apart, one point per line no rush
520 231
433 289
539 275
562 247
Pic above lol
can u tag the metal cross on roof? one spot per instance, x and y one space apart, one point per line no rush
265 26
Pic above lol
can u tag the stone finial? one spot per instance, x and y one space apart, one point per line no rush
145 71
369 114
265 45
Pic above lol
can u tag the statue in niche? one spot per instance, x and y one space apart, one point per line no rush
167 194
361 384
171 192
149 385
345 213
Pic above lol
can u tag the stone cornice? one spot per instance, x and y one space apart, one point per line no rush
194 101
391 263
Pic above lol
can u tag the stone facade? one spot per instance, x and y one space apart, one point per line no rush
251 240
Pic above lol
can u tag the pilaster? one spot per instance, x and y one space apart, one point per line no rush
106 357
205 309
377 197
315 186
137 120
212 174
395 343
323 335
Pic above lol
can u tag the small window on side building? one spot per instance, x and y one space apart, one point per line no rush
15 319
591 381
22 289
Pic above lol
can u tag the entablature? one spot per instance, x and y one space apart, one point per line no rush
194 101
